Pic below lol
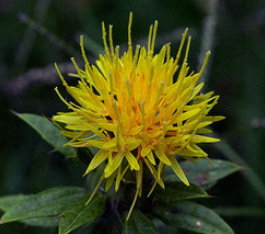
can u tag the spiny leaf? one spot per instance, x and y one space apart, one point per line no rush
51 202
8 202
203 172
193 217
178 191
49 132
80 214
52 221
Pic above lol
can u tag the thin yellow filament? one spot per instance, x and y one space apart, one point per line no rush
129 30
205 61
83 52
111 40
104 34
149 38
154 36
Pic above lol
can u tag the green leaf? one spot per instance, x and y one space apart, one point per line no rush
178 191
169 230
52 221
139 224
8 202
193 217
161 227
80 214
49 132
51 202
203 172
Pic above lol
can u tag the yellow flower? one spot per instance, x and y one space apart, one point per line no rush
140 109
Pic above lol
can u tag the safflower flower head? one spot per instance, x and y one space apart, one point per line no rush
140 109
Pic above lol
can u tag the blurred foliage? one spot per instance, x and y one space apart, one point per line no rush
29 165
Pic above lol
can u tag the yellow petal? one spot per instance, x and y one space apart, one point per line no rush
132 161
213 118
178 170
162 157
110 144
69 119
188 114
204 131
111 167
133 143
195 151
151 158
203 124
204 139
145 150
108 126
135 130
98 158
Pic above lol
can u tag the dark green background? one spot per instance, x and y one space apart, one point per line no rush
237 74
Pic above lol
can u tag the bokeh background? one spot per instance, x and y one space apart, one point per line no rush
36 33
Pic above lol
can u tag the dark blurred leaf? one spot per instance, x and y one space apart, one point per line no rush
81 214
179 191
203 172
245 211
51 202
49 132
169 230
139 224
193 217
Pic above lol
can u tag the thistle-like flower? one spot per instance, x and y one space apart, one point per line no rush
140 109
